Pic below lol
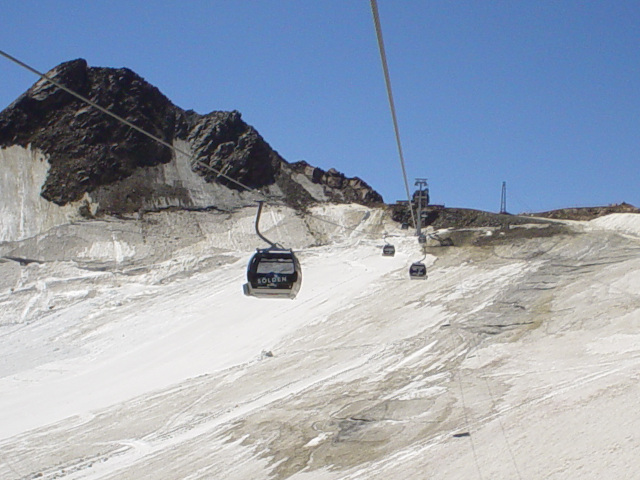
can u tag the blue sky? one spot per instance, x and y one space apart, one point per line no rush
544 95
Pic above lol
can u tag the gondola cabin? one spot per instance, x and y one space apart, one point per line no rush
422 238
404 226
388 250
273 273
418 271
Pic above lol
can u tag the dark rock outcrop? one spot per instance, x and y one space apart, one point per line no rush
89 151
87 148
437 216
222 142
587 213
337 186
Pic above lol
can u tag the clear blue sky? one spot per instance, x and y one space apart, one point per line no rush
544 95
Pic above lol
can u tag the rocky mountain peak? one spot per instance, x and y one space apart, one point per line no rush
87 149
94 158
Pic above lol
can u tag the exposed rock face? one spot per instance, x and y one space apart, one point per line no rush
437 216
337 187
587 213
224 142
122 170
87 148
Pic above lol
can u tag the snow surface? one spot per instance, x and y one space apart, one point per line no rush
621 222
23 212
129 352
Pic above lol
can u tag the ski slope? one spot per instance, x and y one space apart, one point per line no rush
130 352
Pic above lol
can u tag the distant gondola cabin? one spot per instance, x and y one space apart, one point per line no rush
388 250
418 271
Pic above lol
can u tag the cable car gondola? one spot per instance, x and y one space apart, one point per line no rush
418 271
422 238
273 273
388 250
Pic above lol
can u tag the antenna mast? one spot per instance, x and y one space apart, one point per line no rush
503 198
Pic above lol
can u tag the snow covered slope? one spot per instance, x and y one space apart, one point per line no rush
129 352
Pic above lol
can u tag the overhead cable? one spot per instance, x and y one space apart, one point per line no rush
387 79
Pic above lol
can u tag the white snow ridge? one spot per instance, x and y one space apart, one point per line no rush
128 351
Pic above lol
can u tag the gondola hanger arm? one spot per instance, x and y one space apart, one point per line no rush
257 226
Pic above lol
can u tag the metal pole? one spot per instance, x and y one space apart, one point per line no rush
420 182
503 198
418 230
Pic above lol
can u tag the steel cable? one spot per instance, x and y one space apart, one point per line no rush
387 79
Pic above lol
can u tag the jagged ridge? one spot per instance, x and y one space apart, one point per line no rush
88 150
